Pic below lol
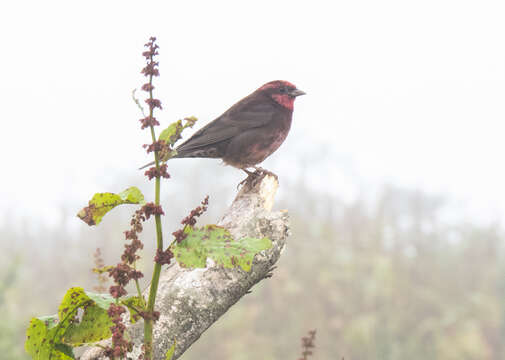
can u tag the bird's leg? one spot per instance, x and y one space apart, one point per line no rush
251 179
249 173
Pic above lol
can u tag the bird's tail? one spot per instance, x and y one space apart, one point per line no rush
146 165
176 155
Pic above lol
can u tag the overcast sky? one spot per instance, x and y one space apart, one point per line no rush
411 92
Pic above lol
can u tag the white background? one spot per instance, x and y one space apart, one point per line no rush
410 92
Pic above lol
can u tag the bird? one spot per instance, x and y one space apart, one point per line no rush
249 131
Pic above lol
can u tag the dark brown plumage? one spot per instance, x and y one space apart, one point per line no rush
249 131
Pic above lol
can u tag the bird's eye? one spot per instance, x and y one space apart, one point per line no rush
284 90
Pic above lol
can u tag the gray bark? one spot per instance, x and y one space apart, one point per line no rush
191 300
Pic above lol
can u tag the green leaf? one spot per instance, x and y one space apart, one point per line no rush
172 133
82 318
49 320
65 349
94 324
102 203
132 195
217 243
170 352
42 340
134 304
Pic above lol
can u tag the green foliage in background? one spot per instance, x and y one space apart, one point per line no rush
382 279
10 329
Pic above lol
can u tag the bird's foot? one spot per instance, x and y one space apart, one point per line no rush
251 180
254 178
264 172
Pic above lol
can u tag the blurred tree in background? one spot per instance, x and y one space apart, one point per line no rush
386 276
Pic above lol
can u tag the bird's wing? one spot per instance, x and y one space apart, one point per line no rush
240 117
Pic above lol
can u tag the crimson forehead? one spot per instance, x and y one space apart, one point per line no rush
276 84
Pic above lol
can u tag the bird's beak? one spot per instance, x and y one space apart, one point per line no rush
296 92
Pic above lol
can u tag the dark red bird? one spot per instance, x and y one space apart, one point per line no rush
249 131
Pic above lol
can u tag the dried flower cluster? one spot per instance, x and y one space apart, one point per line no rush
120 346
196 212
308 345
151 209
190 220
163 257
122 274
100 270
150 70
155 146
154 173
160 147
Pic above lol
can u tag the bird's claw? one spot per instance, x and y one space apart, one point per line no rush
265 172
254 178
251 180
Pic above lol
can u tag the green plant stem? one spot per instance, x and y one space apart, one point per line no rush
137 284
148 321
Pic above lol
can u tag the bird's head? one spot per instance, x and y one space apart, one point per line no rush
282 92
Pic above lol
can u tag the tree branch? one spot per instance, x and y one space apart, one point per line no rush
190 301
